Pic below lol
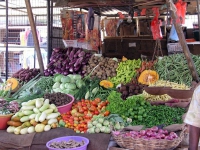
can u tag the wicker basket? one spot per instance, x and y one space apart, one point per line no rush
153 144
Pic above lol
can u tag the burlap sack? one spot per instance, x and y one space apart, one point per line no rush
175 127
133 128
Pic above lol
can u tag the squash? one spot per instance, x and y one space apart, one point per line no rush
124 58
106 84
148 77
12 84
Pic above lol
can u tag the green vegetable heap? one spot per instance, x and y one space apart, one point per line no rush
126 71
175 68
136 111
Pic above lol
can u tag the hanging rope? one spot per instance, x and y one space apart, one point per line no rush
157 49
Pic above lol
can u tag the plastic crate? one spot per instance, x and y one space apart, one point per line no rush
174 47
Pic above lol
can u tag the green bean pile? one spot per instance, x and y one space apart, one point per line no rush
45 83
174 68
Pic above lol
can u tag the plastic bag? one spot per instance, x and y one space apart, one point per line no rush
155 25
181 10
173 34
143 12
90 19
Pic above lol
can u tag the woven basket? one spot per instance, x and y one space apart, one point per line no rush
153 144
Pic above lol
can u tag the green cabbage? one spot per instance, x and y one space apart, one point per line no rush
56 85
76 77
58 77
79 83
65 79
70 86
62 86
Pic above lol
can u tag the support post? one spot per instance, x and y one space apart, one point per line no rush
35 38
183 42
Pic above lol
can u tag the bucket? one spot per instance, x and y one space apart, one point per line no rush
3 121
65 108
67 138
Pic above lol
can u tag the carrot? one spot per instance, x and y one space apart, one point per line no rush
14 123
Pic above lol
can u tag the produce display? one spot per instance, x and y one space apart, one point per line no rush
26 74
105 124
69 84
8 107
126 70
36 115
108 95
175 68
130 89
58 99
163 83
149 134
82 112
101 67
137 111
66 144
67 61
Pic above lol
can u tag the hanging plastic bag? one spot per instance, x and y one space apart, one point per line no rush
181 10
143 12
90 19
155 25
173 34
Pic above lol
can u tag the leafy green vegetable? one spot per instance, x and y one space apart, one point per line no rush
56 85
58 77
79 83
65 79
70 86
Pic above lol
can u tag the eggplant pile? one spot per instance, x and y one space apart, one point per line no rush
26 74
67 61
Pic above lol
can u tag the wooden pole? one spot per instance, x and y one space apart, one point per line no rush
183 43
35 37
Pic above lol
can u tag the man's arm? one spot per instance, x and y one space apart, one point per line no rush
194 133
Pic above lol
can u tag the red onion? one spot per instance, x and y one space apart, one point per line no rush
142 132
165 132
160 131
155 128
149 133
174 135
116 132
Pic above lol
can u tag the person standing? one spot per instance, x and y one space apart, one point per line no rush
193 119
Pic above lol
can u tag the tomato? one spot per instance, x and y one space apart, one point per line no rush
103 104
96 112
85 108
97 100
94 103
81 110
106 113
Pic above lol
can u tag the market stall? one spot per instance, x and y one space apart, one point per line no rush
129 103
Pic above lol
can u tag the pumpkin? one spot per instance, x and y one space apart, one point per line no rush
12 84
148 77
106 84
124 58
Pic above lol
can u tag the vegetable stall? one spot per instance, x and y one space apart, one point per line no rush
86 103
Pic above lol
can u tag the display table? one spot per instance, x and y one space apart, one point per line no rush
37 141
194 47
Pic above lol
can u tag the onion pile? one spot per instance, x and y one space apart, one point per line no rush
149 134
67 61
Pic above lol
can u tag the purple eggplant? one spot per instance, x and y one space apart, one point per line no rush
81 54
77 67
72 62
56 50
77 52
78 61
71 55
71 69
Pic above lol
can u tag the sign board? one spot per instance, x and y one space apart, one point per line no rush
70 43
